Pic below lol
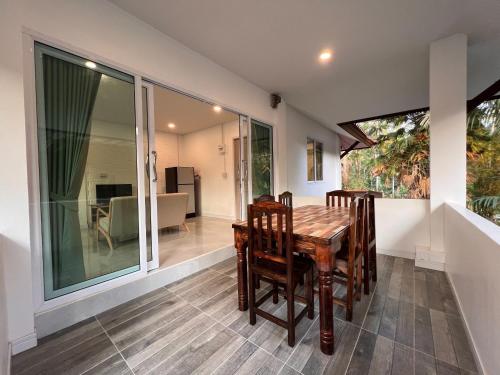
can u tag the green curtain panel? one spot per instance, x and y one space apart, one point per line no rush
70 92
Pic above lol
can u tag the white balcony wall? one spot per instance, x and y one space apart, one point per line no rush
4 342
472 261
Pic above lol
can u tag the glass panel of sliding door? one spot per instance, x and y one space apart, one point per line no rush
87 157
262 158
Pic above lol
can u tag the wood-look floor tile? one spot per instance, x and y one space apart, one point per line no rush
204 354
407 289
434 296
421 292
223 303
227 267
345 344
444 368
463 351
55 344
180 329
389 321
114 365
78 359
133 329
406 323
402 360
250 359
124 312
192 281
374 313
381 362
424 364
443 345
363 353
424 341
197 296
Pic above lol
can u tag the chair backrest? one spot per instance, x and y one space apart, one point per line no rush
339 198
357 227
264 198
270 233
123 222
286 198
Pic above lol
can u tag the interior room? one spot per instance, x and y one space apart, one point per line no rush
197 148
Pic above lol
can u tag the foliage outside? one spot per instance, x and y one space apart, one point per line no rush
398 165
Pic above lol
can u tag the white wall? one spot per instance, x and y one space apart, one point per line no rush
104 31
166 145
4 342
472 261
447 129
298 129
199 149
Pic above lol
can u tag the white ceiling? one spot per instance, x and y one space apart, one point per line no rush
377 45
188 114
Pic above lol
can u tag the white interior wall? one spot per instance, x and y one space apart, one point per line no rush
472 257
102 30
166 145
298 129
216 170
4 342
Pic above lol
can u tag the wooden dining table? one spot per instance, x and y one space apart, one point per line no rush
318 232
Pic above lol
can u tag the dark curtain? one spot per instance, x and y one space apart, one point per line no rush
69 94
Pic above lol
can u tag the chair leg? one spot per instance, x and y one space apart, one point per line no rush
291 315
373 262
366 271
275 293
359 278
257 281
251 298
349 296
310 294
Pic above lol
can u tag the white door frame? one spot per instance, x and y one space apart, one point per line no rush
153 177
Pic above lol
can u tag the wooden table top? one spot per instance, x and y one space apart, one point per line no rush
318 224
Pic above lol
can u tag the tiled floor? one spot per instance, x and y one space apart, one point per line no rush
205 234
408 325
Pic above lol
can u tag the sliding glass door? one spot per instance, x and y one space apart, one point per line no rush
87 155
262 158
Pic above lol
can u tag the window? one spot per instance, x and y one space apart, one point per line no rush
262 159
314 160
398 166
483 160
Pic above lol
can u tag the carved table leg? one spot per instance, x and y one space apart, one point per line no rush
324 263
241 252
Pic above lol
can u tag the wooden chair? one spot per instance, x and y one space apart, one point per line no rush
270 257
264 198
348 269
371 241
338 198
286 198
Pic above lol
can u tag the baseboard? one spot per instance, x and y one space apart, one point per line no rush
427 258
9 355
472 344
23 343
397 253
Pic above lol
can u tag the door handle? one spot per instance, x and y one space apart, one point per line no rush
154 167
147 165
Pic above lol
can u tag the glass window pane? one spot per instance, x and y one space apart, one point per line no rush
310 160
319 161
88 177
262 159
147 188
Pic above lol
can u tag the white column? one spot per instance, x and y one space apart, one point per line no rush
448 111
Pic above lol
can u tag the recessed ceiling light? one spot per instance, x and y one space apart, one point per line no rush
217 108
90 64
325 55
171 125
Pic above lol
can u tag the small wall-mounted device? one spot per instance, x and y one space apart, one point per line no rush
275 100
222 149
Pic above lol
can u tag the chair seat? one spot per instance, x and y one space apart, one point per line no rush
277 271
104 223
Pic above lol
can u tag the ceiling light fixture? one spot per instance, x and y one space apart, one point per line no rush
217 108
90 64
171 125
325 56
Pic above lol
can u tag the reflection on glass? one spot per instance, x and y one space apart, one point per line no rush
147 189
88 177
310 159
319 161
262 159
